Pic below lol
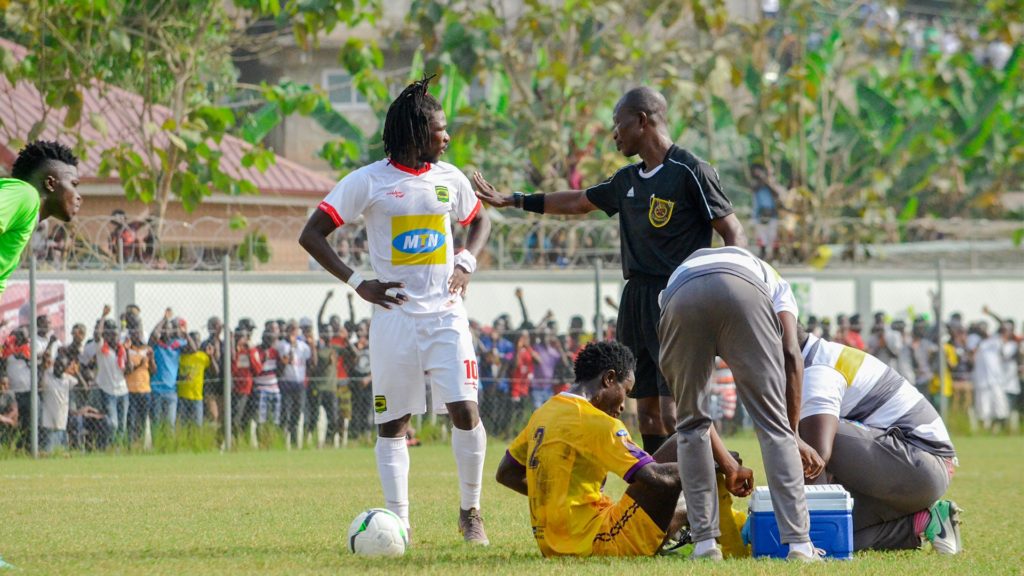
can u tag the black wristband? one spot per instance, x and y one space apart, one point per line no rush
534 203
517 199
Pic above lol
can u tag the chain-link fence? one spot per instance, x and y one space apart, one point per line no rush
143 360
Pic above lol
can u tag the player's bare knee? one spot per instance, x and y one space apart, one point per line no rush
465 415
394 429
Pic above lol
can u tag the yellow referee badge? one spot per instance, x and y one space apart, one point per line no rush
660 212
380 404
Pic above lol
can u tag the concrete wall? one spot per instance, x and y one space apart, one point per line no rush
197 296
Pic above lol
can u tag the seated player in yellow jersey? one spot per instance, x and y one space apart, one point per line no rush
561 459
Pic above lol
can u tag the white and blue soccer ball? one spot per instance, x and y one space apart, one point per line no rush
377 532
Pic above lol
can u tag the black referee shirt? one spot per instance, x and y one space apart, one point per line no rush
665 216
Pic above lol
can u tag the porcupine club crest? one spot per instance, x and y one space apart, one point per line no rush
660 211
442 193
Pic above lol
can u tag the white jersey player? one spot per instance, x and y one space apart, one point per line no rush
420 330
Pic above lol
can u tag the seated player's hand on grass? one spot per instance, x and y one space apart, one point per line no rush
459 282
489 194
810 459
383 294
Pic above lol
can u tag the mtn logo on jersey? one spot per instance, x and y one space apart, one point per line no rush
418 240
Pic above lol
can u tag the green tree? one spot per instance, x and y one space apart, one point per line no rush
177 55
864 126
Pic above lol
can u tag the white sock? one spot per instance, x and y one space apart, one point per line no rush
469 447
393 468
805 548
704 546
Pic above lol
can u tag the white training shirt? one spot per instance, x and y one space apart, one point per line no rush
408 216
740 262
851 384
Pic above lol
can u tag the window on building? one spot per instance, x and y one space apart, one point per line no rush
340 90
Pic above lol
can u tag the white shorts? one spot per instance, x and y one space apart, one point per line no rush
408 352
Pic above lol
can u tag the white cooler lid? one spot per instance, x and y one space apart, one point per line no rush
819 497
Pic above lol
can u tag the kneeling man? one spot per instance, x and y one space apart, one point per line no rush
563 456
884 442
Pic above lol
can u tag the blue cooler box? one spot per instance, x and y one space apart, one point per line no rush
831 510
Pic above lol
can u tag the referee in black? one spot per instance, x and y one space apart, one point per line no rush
668 204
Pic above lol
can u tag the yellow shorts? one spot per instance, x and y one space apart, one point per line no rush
627 530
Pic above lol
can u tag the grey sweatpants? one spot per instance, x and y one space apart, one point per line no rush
889 480
726 315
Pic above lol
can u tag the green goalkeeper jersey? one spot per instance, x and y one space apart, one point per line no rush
19 214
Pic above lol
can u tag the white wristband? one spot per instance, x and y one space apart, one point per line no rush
466 261
355 280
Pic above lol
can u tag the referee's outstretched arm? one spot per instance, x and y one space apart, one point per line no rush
566 202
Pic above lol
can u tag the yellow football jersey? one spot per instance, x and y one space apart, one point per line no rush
568 447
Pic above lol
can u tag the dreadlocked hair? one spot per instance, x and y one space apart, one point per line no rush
35 155
597 357
407 125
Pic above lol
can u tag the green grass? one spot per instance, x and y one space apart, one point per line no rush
277 512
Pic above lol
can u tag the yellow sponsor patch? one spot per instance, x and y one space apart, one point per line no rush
418 240
660 212
849 362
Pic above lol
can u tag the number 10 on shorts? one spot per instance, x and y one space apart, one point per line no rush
471 370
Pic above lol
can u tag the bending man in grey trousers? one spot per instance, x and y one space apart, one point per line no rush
724 301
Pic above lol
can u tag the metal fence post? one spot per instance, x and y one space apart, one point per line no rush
226 358
33 356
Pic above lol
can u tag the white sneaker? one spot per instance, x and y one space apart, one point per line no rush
711 555
798 556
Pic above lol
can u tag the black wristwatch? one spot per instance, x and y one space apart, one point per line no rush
517 199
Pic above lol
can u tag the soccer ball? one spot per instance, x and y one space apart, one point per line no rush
377 532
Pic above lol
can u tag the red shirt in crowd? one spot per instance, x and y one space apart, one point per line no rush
243 367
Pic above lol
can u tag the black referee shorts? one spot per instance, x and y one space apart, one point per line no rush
637 328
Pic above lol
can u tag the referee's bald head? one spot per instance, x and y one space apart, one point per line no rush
646 100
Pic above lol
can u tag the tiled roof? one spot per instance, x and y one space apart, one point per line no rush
21 106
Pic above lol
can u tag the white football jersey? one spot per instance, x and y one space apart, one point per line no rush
408 216
851 384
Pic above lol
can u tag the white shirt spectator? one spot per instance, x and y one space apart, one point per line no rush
54 399
110 363
295 371
988 364
18 374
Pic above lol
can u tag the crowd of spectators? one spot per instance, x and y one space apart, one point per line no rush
124 383
981 378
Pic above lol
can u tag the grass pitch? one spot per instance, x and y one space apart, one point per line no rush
279 512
